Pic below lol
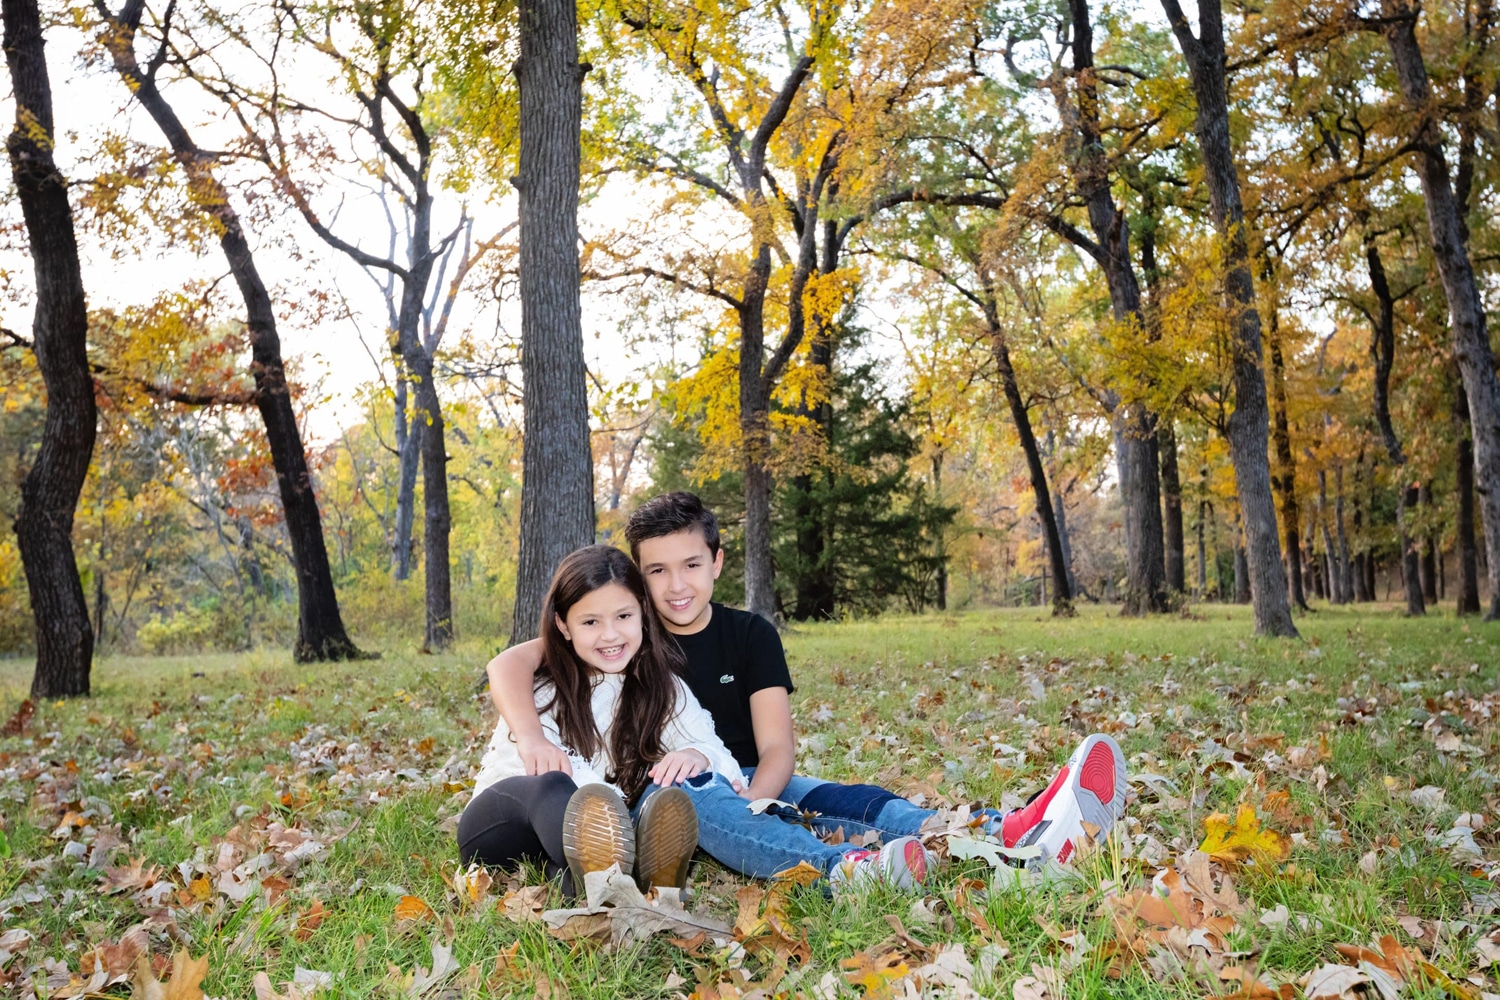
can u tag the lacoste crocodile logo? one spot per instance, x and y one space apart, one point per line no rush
727 679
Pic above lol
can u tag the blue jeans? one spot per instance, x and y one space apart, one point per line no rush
856 809
755 845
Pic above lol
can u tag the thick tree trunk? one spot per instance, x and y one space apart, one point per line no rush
1468 554
1062 595
320 628
755 432
942 542
1285 484
1134 425
50 491
557 484
1470 332
1247 429
1171 492
408 460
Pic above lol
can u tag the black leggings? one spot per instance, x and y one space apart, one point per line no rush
518 819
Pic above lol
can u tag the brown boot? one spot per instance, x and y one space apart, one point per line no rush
666 834
596 833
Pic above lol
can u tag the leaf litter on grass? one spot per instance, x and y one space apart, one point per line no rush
139 811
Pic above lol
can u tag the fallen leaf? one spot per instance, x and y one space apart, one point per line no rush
1335 981
115 959
187 973
874 974
525 904
413 908
309 920
616 913
1242 840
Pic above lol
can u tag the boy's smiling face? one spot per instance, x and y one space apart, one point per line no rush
680 573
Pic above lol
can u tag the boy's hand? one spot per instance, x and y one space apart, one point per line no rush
541 755
678 766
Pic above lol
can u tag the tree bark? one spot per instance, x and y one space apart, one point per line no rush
1171 491
50 491
1135 426
1470 332
1468 553
320 628
1247 428
1383 351
408 461
557 485
1346 574
1428 567
1286 483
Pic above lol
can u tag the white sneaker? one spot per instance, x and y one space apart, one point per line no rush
1090 789
902 863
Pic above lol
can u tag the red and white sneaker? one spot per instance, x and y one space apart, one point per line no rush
902 863
1089 789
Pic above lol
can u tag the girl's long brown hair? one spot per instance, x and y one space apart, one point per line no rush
648 698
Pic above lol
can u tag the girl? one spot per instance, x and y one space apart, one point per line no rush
608 691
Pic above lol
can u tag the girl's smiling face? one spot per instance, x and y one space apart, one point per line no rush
604 627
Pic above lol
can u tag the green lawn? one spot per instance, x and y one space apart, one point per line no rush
270 817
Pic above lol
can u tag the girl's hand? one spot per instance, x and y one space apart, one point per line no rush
541 755
678 766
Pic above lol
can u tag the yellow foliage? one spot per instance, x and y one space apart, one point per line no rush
1244 839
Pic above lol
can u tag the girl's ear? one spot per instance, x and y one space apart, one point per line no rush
562 627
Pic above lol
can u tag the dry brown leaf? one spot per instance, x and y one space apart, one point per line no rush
127 878
1335 982
1248 986
617 913
187 973
525 904
116 959
309 920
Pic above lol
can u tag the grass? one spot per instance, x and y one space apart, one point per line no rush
1326 738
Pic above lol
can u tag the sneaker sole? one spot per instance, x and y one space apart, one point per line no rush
1094 794
596 833
666 835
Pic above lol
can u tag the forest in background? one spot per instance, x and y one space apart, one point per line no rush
938 303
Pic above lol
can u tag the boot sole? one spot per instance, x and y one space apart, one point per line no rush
596 833
666 834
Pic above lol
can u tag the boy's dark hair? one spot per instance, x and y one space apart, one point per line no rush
667 514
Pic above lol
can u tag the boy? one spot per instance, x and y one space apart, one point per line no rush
737 670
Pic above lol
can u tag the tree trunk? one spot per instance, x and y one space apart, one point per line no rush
755 432
1171 492
1062 595
1468 555
1247 426
1428 567
557 484
1202 553
1330 554
1060 515
1346 574
1383 351
50 491
1470 332
1134 425
408 459
1286 483
320 628
942 542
